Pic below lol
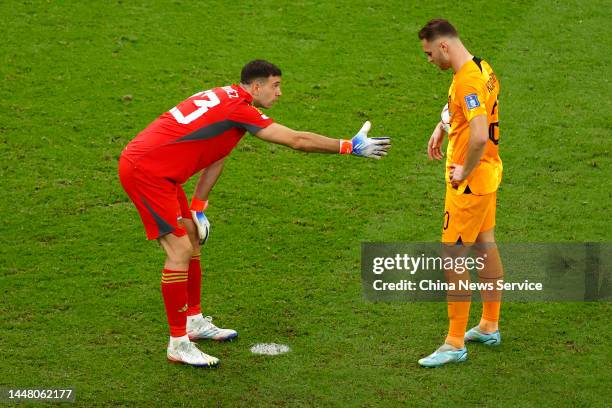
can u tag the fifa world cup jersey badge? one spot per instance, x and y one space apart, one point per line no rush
472 101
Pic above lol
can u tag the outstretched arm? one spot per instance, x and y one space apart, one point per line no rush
298 140
359 145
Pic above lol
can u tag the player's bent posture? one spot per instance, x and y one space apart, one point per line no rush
473 173
195 136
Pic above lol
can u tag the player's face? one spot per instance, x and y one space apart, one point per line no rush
437 52
266 92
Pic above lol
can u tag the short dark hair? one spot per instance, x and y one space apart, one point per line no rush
258 69
436 28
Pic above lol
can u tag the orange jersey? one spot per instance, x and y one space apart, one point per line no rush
474 92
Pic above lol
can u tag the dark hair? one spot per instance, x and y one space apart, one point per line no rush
258 69
437 28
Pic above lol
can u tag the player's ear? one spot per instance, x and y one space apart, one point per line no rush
257 86
443 46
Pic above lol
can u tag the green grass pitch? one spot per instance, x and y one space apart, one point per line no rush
81 304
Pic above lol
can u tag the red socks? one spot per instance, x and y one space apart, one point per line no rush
174 291
181 292
194 286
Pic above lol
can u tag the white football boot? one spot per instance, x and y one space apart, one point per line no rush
182 351
202 328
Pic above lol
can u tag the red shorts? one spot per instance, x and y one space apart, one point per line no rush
161 203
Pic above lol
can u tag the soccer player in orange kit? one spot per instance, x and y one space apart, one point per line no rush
195 136
473 173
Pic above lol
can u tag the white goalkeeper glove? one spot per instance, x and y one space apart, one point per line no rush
364 146
199 218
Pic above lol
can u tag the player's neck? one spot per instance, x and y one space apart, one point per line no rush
461 57
247 88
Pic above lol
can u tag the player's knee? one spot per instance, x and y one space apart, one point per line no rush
180 252
184 252
192 233
487 236
195 245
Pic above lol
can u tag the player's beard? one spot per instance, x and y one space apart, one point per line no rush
445 64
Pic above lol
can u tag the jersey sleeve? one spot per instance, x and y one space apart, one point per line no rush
471 94
249 118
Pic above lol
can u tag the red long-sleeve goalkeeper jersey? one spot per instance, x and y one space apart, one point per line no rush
196 133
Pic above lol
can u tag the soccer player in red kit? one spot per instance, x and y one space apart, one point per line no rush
195 136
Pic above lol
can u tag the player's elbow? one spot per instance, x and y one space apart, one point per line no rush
481 140
300 141
478 131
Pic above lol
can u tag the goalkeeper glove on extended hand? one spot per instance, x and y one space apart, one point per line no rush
199 218
364 146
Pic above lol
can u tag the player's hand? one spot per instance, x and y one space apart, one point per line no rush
456 175
434 147
199 218
370 147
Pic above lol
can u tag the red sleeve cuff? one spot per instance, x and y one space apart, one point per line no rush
198 205
346 147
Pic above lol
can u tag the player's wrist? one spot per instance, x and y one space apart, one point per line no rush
198 205
346 146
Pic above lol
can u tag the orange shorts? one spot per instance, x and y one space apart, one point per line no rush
467 215
161 203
